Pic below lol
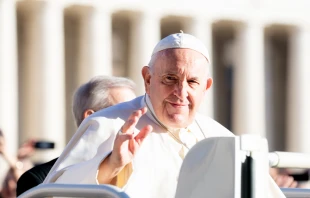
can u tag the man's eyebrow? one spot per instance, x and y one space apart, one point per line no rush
194 78
168 73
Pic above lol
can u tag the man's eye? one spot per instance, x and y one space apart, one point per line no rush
193 82
170 79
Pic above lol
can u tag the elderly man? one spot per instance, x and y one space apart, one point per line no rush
140 145
98 93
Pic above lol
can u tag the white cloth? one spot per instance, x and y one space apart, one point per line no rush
156 165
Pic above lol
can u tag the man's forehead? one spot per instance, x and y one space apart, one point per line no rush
195 71
177 65
174 59
179 54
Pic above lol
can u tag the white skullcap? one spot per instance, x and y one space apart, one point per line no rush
181 40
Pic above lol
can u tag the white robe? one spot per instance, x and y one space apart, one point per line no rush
156 165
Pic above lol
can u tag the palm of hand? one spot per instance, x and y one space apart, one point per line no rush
128 150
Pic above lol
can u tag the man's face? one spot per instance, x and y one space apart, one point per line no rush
176 84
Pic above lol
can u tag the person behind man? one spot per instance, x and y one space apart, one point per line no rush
143 142
13 166
98 93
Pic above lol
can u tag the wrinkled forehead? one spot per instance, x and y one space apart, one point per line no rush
175 59
181 54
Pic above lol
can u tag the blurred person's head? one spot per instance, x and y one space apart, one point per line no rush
101 92
177 79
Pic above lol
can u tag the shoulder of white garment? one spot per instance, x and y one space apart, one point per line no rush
98 127
210 127
83 146
94 137
85 142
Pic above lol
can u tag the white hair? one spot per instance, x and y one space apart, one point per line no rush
95 94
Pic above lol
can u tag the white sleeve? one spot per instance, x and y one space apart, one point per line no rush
82 173
90 145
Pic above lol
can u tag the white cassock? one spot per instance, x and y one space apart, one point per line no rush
155 168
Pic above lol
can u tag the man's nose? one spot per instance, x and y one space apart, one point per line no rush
181 90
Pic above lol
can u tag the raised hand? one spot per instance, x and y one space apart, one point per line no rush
126 145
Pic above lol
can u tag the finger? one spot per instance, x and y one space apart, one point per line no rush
279 180
294 184
134 144
133 119
283 181
288 181
144 132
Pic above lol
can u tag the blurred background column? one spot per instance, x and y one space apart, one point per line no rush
42 74
202 29
144 34
298 103
94 53
53 73
101 26
8 75
249 82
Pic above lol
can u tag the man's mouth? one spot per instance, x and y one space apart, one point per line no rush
178 105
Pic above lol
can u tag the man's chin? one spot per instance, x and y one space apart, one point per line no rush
177 122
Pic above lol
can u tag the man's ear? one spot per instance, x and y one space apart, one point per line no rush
209 83
146 74
87 113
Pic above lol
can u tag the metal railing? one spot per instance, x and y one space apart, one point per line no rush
296 192
289 160
74 190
